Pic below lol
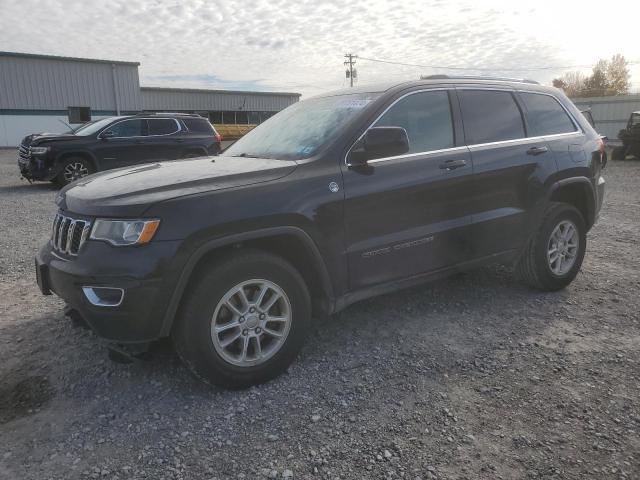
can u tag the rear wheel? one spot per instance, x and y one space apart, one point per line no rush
244 320
73 169
553 256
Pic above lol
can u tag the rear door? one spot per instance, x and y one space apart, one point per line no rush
507 167
408 214
547 118
164 140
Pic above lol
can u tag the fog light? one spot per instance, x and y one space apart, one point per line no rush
104 296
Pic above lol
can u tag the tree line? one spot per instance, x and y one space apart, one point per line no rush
608 77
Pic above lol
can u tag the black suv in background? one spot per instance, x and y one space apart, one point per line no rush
335 199
115 142
630 138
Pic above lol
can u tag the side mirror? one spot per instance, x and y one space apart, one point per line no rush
107 134
379 142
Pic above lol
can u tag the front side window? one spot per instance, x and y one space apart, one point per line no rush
635 120
127 128
426 116
162 126
545 115
490 116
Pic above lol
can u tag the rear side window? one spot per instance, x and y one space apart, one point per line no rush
426 116
198 125
490 116
545 115
162 126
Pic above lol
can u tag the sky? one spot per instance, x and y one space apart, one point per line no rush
298 45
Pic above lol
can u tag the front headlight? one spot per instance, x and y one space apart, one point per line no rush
124 232
39 150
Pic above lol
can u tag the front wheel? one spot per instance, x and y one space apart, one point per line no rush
553 256
73 169
244 321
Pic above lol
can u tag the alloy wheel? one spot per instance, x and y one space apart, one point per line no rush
251 322
562 248
74 171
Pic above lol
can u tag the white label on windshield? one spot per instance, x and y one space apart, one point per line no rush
354 103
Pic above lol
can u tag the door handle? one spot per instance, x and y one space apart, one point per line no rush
179 140
537 150
140 142
452 164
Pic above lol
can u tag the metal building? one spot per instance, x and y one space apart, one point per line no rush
611 114
42 93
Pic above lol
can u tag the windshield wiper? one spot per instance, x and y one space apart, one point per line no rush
246 155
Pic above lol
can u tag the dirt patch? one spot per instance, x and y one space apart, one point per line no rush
25 397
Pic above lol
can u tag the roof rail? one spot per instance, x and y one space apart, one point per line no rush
475 77
170 114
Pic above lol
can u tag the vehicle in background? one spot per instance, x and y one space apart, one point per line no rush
335 199
115 142
630 137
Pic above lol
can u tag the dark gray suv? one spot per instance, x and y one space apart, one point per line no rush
335 199
115 142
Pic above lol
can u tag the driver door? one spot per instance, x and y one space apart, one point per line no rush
410 214
123 143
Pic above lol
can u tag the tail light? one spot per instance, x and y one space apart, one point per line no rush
218 137
601 144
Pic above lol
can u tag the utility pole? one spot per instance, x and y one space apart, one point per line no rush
351 72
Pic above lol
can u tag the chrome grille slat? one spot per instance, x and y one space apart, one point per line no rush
69 234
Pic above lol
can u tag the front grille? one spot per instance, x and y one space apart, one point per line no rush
24 152
69 234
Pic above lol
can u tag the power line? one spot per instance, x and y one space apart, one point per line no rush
484 69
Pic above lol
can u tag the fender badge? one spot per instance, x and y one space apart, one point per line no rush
334 187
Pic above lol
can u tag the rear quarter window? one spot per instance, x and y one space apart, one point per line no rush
545 115
162 126
198 125
490 116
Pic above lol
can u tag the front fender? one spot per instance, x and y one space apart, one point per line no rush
228 240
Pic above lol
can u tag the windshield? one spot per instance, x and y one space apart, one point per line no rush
301 130
92 127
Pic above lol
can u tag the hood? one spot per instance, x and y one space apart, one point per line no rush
129 191
40 138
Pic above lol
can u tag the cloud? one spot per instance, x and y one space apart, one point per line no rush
299 44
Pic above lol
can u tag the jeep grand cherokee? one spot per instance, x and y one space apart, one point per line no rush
333 200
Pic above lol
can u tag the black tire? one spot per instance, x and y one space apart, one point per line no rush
80 165
533 266
619 153
192 336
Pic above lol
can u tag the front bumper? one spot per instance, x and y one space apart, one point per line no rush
35 168
141 272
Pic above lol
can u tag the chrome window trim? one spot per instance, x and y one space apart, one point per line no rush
578 131
141 136
523 140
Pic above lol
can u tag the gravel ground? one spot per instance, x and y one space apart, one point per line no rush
475 377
